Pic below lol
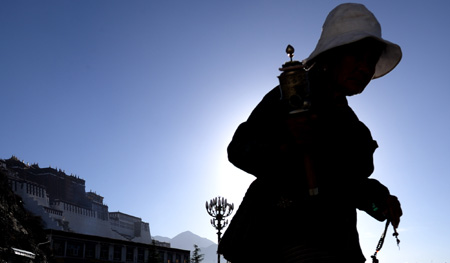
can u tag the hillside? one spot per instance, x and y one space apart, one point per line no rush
184 240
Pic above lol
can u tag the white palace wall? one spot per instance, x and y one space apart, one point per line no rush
62 215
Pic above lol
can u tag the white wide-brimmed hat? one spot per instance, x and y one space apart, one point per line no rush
348 23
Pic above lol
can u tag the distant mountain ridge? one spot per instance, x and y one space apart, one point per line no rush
187 240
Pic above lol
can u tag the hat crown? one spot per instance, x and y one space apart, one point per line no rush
347 18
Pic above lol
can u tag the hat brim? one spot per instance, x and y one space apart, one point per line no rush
389 59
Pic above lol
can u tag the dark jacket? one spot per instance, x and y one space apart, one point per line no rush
277 216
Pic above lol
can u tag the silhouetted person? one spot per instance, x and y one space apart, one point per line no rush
280 219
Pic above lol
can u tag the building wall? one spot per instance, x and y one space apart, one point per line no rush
72 247
63 204
130 226
36 191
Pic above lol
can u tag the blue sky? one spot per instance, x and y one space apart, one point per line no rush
141 98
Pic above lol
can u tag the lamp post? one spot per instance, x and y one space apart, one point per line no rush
219 208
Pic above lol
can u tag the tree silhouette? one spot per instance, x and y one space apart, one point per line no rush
196 256
153 255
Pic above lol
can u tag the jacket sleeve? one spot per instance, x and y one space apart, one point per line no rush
343 151
259 145
371 197
351 162
344 161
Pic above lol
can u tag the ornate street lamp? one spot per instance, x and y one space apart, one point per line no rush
219 208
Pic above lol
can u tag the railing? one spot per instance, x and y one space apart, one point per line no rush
53 211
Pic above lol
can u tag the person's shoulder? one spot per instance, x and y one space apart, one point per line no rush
269 105
273 95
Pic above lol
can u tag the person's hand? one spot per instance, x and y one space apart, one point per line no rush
393 210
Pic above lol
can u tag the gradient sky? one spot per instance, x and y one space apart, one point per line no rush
141 98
